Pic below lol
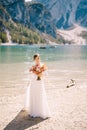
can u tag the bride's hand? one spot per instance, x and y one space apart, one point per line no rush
39 74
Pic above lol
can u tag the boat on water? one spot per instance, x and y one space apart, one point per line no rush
53 46
42 47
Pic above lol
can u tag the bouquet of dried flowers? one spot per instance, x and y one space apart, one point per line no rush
37 69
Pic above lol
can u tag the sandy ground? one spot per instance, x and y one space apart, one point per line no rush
68 107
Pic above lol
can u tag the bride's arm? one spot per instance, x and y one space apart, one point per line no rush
44 67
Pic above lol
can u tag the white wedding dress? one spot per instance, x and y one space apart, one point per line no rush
36 99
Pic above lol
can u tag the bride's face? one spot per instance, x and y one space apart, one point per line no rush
37 59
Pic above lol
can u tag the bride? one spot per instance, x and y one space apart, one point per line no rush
36 101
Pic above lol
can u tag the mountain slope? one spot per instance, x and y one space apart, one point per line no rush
41 16
74 35
18 32
65 13
41 19
30 15
81 13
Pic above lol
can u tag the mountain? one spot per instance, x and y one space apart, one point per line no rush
76 35
14 29
41 18
17 10
44 17
65 13
81 13
32 15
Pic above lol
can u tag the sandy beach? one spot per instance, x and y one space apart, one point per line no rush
68 107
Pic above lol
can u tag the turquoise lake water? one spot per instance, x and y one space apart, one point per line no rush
64 63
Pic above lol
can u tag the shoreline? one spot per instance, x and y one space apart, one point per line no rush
40 45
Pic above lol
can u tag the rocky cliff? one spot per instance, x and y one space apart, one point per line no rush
67 12
41 18
31 15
